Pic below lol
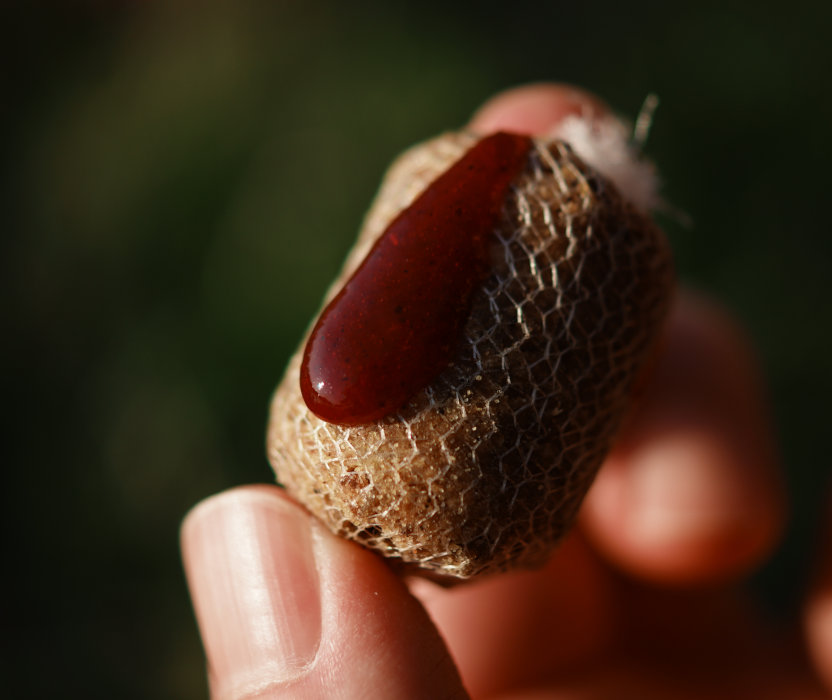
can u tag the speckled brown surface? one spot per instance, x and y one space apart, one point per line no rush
484 469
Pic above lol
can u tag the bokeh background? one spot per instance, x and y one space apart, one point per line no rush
180 182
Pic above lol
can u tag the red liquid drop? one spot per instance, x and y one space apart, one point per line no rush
396 323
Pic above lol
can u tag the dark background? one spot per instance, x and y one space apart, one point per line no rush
180 182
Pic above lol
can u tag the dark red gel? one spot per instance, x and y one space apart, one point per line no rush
396 323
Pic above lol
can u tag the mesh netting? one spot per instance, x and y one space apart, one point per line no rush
485 469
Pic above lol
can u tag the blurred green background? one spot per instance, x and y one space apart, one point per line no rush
180 184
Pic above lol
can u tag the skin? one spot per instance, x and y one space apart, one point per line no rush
643 600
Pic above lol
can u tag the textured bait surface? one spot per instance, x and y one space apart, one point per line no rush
484 469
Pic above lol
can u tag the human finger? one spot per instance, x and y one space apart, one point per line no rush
692 491
535 108
288 610
818 614
520 628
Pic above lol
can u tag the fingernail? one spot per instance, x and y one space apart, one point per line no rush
686 491
251 571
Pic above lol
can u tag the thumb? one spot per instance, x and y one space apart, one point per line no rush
286 609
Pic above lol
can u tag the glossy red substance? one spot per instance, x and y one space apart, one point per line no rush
396 323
